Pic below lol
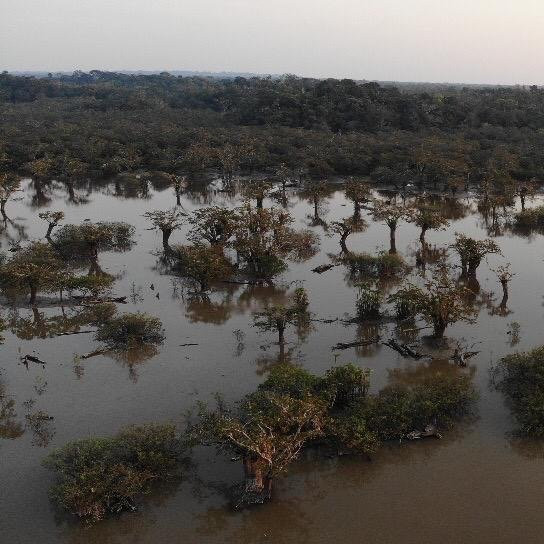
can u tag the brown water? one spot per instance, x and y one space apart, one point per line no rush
476 485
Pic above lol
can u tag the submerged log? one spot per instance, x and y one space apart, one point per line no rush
322 268
403 349
89 300
33 359
342 345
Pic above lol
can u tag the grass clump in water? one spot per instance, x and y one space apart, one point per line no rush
533 218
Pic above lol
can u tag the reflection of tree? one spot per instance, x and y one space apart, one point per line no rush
201 309
37 324
10 428
133 357
414 373
265 363
366 332
255 525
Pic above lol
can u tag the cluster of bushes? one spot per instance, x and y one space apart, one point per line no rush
383 265
531 218
99 476
520 377
292 410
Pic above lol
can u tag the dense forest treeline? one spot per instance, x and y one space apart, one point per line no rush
101 123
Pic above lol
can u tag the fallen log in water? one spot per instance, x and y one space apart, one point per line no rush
429 431
93 353
68 333
342 345
88 300
322 268
31 358
403 349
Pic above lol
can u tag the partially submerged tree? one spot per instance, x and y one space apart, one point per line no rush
86 240
429 217
263 238
504 275
359 192
203 264
33 269
9 183
441 301
167 222
212 224
52 218
344 228
391 213
268 430
471 252
315 192
257 190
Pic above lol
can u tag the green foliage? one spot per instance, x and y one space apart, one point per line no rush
34 268
100 476
345 384
93 286
369 302
286 379
130 331
203 264
532 218
383 265
520 377
88 239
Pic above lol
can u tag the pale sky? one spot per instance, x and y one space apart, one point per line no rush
469 41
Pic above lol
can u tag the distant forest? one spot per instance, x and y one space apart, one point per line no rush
103 124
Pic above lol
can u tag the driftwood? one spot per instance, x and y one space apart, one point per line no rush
461 358
429 431
403 349
342 345
93 353
31 358
189 344
88 300
322 268
68 333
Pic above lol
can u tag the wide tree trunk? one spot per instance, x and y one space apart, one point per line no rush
257 485
33 293
166 233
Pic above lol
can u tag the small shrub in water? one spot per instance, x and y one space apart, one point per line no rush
130 330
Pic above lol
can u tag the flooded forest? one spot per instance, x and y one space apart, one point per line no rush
256 310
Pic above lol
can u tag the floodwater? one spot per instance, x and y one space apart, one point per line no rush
476 485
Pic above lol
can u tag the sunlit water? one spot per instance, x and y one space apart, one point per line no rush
476 485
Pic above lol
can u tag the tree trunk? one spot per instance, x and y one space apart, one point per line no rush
49 231
522 198
3 208
392 241
166 233
439 328
257 485
422 235
343 244
33 293
259 203
463 267
504 300
281 332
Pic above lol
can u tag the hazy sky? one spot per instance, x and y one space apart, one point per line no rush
471 41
